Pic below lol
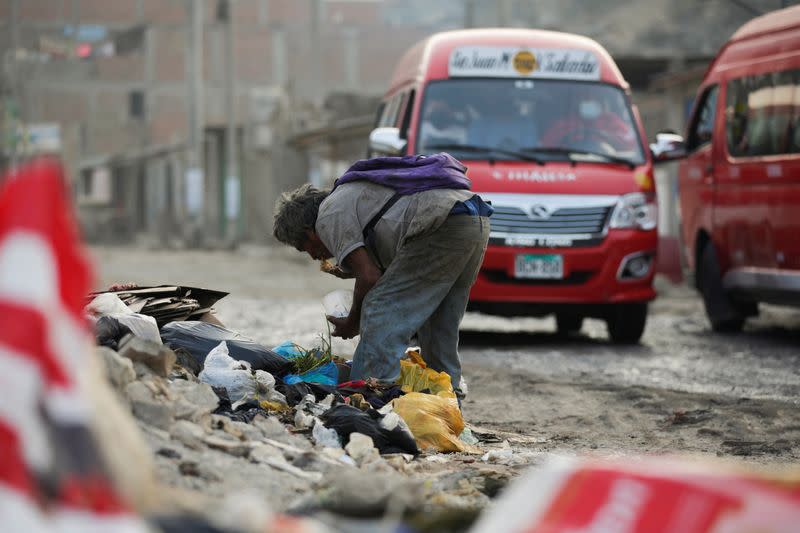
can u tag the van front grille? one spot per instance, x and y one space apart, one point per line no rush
564 221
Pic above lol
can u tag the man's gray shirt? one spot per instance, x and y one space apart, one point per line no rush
349 208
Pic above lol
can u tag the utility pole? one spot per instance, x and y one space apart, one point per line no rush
503 13
232 181
194 178
11 104
469 14
317 44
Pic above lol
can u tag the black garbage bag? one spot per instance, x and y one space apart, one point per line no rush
297 391
199 338
108 331
346 419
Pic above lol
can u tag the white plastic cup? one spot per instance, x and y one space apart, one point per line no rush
337 303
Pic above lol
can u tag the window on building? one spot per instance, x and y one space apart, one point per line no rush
136 104
762 114
94 186
703 126
87 183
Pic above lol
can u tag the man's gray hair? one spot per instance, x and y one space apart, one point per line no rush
295 212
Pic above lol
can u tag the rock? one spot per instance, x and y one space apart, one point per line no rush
246 431
494 481
119 370
235 428
271 427
362 449
269 455
121 445
225 424
188 433
228 445
338 455
169 453
156 356
147 408
398 461
350 492
193 400
198 469
142 370
186 360
503 456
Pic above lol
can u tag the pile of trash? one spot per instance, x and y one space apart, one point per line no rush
221 412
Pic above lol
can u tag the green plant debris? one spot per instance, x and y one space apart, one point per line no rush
313 358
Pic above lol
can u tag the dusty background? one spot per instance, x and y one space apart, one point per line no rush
683 389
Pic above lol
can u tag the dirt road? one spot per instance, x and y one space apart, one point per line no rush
683 389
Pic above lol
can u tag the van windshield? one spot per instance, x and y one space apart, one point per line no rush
540 120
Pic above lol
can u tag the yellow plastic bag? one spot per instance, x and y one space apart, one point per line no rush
435 421
415 376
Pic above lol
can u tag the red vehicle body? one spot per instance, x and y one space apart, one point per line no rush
574 226
739 178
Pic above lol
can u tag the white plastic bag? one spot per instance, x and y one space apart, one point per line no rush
337 303
107 304
325 437
140 325
236 377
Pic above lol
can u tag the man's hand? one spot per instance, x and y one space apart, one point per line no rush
343 327
329 268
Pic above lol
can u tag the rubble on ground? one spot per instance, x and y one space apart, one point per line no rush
216 425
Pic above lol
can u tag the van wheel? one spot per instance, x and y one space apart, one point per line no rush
625 322
723 313
567 323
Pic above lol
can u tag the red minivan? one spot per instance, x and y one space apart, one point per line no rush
545 124
739 178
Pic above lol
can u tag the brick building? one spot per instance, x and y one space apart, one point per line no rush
113 77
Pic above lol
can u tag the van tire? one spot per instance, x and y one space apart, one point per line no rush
722 312
626 322
567 323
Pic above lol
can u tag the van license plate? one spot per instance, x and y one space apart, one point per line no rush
539 266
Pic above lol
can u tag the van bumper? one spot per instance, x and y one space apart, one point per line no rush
592 277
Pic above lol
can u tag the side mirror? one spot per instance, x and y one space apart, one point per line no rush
386 141
668 147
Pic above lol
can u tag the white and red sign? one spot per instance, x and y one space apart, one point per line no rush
505 62
51 475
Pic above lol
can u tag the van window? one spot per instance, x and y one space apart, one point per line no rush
761 114
407 115
703 126
379 114
547 119
389 117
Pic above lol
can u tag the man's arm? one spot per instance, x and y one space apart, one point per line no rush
367 275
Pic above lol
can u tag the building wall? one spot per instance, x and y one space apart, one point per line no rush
308 48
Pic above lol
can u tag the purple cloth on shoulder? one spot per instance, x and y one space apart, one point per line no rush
410 174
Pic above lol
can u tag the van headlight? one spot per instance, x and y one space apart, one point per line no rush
635 210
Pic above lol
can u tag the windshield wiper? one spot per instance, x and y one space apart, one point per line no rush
486 150
570 151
